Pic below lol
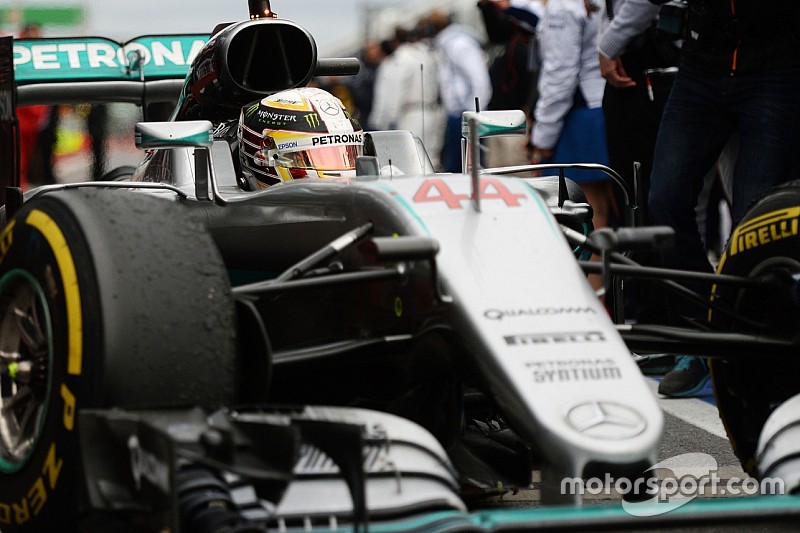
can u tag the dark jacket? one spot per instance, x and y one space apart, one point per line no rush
742 35
512 72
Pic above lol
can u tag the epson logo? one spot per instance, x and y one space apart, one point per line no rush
351 138
569 337
500 314
286 146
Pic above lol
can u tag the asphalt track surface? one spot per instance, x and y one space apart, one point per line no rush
691 426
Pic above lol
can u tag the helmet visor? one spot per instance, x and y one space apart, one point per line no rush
341 157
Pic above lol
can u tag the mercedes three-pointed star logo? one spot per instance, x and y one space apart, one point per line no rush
328 107
605 420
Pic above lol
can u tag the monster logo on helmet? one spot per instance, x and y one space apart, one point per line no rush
299 133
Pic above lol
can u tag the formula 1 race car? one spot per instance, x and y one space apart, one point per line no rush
180 351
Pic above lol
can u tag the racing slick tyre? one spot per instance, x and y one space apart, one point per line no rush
765 242
107 298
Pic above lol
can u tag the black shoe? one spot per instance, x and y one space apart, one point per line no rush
688 378
657 364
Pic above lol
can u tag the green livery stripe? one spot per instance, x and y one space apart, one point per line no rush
537 198
189 140
399 197
611 516
489 129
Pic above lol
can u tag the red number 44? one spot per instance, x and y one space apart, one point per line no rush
436 190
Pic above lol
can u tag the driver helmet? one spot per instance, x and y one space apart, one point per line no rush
299 133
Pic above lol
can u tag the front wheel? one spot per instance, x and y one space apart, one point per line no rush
766 241
107 298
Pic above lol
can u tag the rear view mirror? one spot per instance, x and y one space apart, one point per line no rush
494 123
190 133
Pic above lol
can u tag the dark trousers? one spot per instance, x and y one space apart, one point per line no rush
702 113
451 149
631 130
632 122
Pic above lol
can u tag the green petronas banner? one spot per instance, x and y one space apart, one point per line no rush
97 59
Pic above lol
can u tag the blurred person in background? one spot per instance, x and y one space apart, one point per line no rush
628 45
97 128
739 74
407 93
41 168
569 126
514 68
362 85
33 120
388 70
463 77
568 121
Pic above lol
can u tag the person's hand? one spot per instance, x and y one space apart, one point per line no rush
613 71
591 7
537 155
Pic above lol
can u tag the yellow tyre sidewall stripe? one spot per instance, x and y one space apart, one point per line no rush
69 279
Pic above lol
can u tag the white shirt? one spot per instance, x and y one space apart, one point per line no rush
568 38
463 73
406 80
406 96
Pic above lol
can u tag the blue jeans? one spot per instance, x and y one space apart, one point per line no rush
451 149
702 113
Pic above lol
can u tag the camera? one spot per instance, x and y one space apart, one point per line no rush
672 17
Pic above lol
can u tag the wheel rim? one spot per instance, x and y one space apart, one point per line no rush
25 367
778 309
748 390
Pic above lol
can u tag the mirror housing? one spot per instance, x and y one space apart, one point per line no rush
495 123
191 133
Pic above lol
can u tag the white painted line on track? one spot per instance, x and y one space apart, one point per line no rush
694 411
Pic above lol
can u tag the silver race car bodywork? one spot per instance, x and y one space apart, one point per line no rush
454 301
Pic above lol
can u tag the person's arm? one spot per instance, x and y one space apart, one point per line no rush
631 18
